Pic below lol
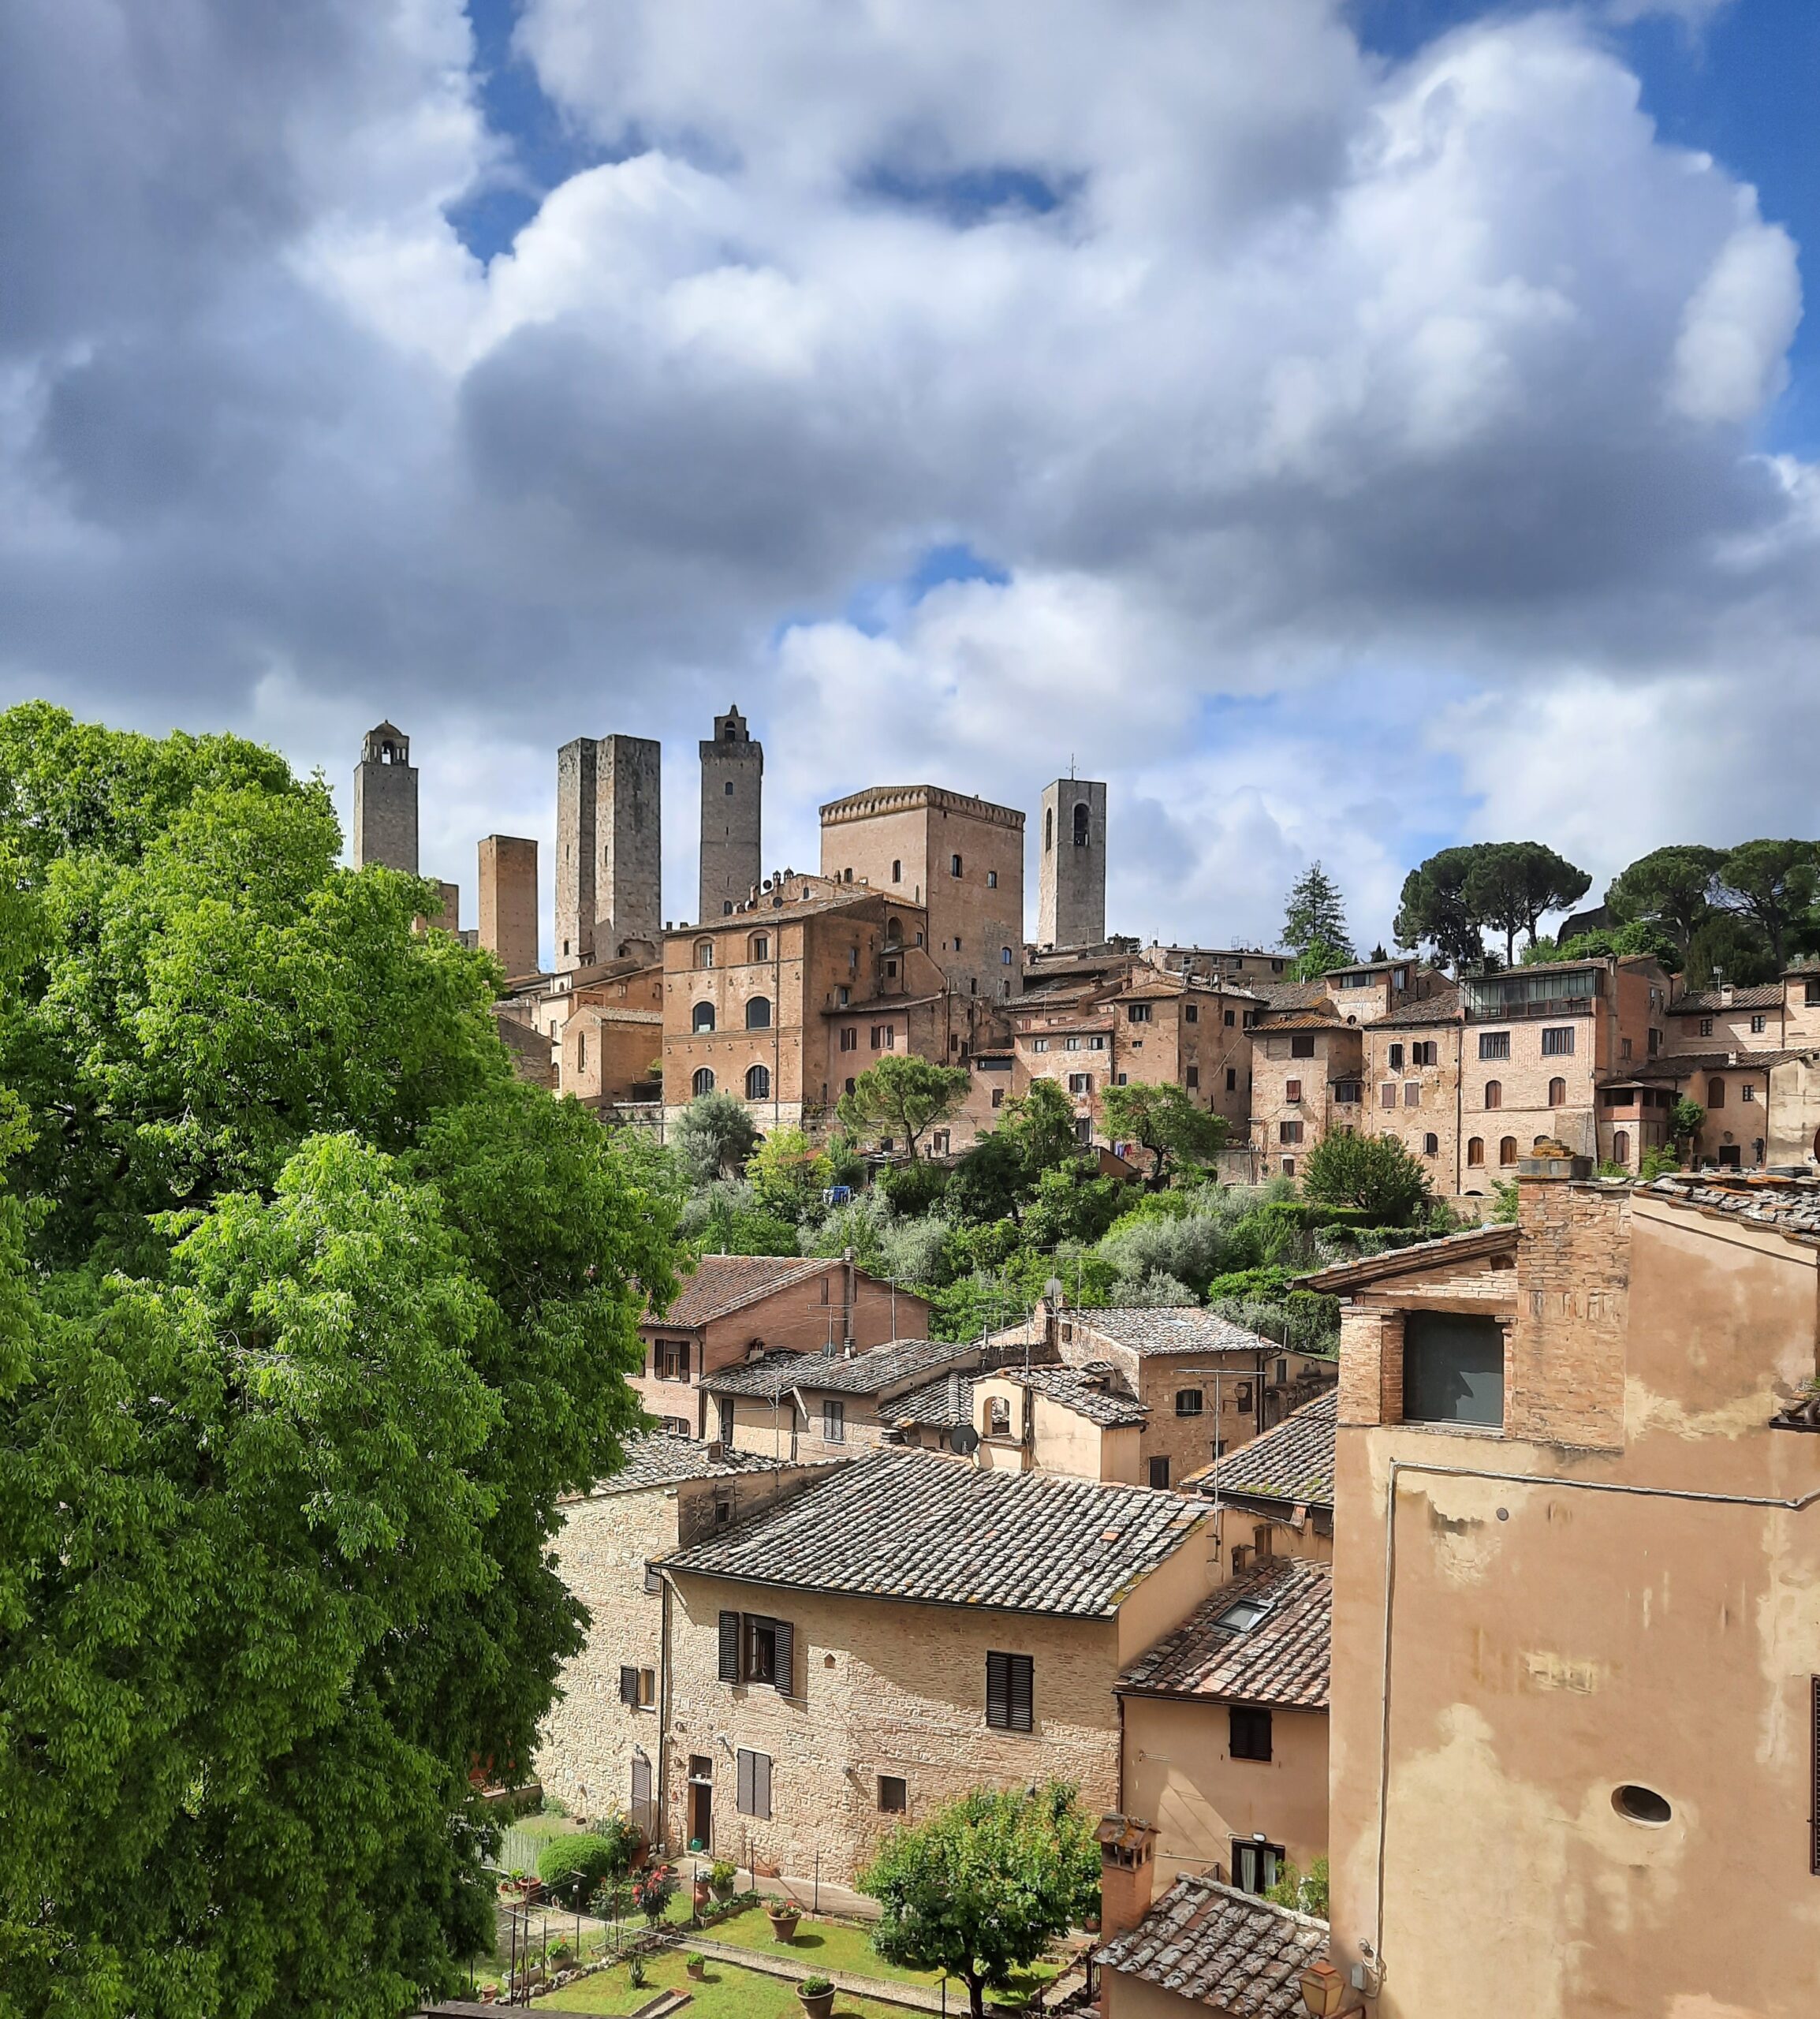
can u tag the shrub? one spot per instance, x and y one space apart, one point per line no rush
914 1188
815 1987
653 1891
722 1872
1375 1172
572 1868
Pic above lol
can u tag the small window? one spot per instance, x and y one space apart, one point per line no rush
702 1017
1431 1145
638 1688
1039 1044
758 1013
1256 1865
998 1097
1080 1083
1747 1092
1395 1061
1558 1041
1706 1022
1242 1396
1476 1150
896 872
1427 1053
1010 1692
954 865
1412 1093
1349 1093
759 1082
1292 1090
893 1794
1758 1025
1005 956
1387 1094
729 789
1226 1018
1289 1132
753 1775
704 953
1494 1093
1071 1044
1558 1093
1811 995
1494 1044
1188 1401
1231 1079
1289 1167
849 1038
1137 1012
1249 1733
1096 1041
997 1417
992 879
1159 1472
833 1421
1303 1046
1620 1146
1507 1150
1192 1076
1191 1013
1715 1093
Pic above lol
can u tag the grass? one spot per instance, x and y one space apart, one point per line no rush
725 1992
820 1945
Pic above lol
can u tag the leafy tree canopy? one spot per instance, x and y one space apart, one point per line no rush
309 1312
1000 1175
1672 887
1640 936
1774 885
1164 1120
1433 912
789 1173
713 1136
982 1888
901 1097
1375 1172
1511 884
1314 920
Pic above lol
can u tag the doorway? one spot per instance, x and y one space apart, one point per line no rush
701 1806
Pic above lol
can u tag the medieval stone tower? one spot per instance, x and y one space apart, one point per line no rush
733 790
609 848
1070 874
385 801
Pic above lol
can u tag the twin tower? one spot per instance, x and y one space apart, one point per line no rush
609 838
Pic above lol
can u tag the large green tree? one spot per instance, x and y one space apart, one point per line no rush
1314 927
1774 884
982 1888
1671 885
1375 1174
1511 885
902 1096
1164 1120
309 1314
1433 912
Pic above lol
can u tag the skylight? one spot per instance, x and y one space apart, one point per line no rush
1242 1615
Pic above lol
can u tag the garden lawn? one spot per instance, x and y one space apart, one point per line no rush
725 1993
841 1946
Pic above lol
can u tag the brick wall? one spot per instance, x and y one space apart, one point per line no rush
507 907
1565 1356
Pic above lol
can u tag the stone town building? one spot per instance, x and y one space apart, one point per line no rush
385 801
507 912
829 1402
958 860
1071 867
1209 1385
598 1751
1225 1728
735 1308
1074 1420
1275 1495
1202 1951
908 1629
732 792
609 849
1576 1655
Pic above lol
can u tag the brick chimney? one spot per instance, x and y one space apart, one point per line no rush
1126 1873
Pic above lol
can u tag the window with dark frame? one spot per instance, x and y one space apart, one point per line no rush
755 1648
1188 1402
637 1688
1159 1473
893 1795
1494 1044
1010 1692
1249 1734
833 1421
1301 1046
1813 1735
1256 1866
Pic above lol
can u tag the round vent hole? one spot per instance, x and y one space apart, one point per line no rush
1641 1805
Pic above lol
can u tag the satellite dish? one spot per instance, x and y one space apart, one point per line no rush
964 1439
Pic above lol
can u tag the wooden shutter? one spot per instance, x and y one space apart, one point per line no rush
640 1787
1813 1861
683 1360
786 1647
761 1784
629 1685
729 1646
743 1762
1022 1680
998 1689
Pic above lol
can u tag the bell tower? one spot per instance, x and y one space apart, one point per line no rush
1071 867
733 789
385 801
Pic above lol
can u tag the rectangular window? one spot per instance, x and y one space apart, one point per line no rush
992 879
1071 1044
1249 1734
1226 1019
1301 1046
1557 1041
998 1097
1256 1865
1706 1027
1080 1083
1010 1692
1810 993
1387 1094
1759 1024
1289 1132
673 1359
1395 1062
753 1778
1138 1012
1193 1076
1191 1014
1231 1079
1494 1044
849 1038
1747 1092
1159 1472
893 1794
756 1649
638 1688
1097 1042
653 1580
833 1421
1292 1090
1412 1093
1453 1368
1349 1093
1188 1401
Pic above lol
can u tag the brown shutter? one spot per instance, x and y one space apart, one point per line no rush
629 1685
683 1360
729 1646
761 1785
998 1689
786 1646
743 1767
1022 1680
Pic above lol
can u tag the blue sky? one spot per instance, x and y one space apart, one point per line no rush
1345 426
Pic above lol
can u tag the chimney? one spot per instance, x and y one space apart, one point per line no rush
717 1452
1725 992
1126 1873
847 1287
1731 1057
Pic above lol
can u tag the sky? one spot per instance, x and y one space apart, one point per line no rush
1346 427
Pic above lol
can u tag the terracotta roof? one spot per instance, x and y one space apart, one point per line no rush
1071 1389
1290 995
722 1283
873 1372
657 1460
1168 1330
1680 1065
873 1004
753 914
1293 1461
1217 1947
941 1405
1282 1660
1766 995
910 1525
1441 1007
1792 1205
1471 1244
1314 1019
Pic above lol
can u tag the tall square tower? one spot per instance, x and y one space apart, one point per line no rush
609 847
508 921
1071 867
732 787
385 801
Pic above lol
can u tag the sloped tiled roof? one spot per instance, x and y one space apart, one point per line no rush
1219 1947
1069 1387
1682 1064
870 1373
1470 1244
1293 1461
1290 995
1765 995
944 1404
910 1525
658 1460
1790 1204
1167 1328
1282 1661
722 1283
1441 1007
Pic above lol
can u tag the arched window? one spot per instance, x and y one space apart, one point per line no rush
997 1417
704 1082
759 1082
702 1017
1556 1093
1081 818
1494 1093
893 932
1540 1140
896 872
1507 1150
704 953
1620 1146
1431 1145
758 1013
1476 1150
1715 1093
1048 829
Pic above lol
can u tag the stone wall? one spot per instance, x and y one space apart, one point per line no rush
629 827
507 909
577 855
732 797
386 816
1070 874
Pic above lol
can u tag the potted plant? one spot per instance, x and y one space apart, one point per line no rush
699 1894
783 1916
653 1891
818 1997
722 1879
696 1964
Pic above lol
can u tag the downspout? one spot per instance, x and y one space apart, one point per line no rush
847 1287
663 1703
1459 1103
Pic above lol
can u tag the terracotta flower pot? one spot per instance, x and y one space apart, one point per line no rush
817 2004
698 1971
783 1924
